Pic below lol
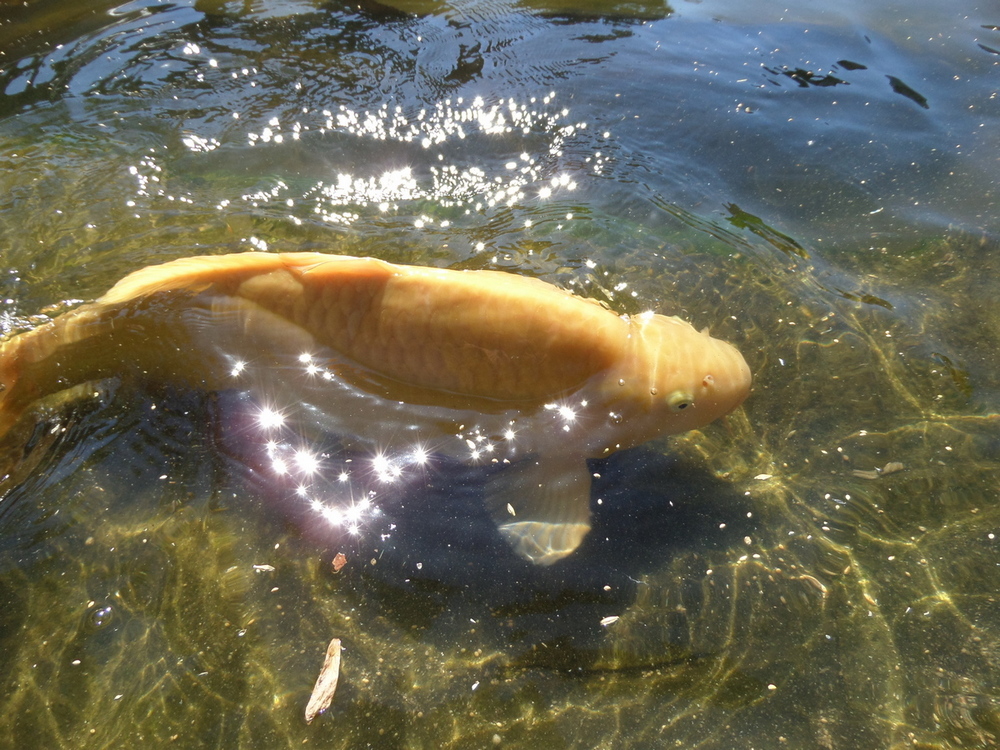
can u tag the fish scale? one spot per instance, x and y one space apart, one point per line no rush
390 321
489 336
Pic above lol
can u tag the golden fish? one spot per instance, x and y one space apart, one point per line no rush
543 378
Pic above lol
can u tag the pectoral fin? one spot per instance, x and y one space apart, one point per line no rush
542 506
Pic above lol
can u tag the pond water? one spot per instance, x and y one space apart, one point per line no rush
816 184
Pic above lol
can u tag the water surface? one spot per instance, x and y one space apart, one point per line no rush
816 184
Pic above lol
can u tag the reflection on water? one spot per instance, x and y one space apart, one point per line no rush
774 580
413 155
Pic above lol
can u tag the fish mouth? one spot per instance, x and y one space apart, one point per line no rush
743 378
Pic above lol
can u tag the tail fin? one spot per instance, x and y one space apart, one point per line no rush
10 410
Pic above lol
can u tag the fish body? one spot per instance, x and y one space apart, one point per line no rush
388 353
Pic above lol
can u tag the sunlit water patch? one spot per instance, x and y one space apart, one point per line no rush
453 160
821 572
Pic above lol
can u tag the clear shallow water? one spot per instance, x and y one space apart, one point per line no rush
816 185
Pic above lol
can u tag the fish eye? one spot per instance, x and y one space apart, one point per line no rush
679 401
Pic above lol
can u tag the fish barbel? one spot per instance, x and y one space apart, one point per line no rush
414 351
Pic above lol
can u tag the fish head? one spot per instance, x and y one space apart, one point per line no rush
677 378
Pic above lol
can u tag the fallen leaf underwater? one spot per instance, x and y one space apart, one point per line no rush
481 366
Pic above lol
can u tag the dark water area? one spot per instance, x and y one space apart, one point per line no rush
816 184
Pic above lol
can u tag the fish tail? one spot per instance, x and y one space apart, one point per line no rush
139 325
74 348
10 411
21 382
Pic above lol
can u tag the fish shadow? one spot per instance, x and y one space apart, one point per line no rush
646 507
442 563
432 559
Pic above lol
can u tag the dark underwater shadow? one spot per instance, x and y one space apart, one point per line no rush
432 560
429 561
652 507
